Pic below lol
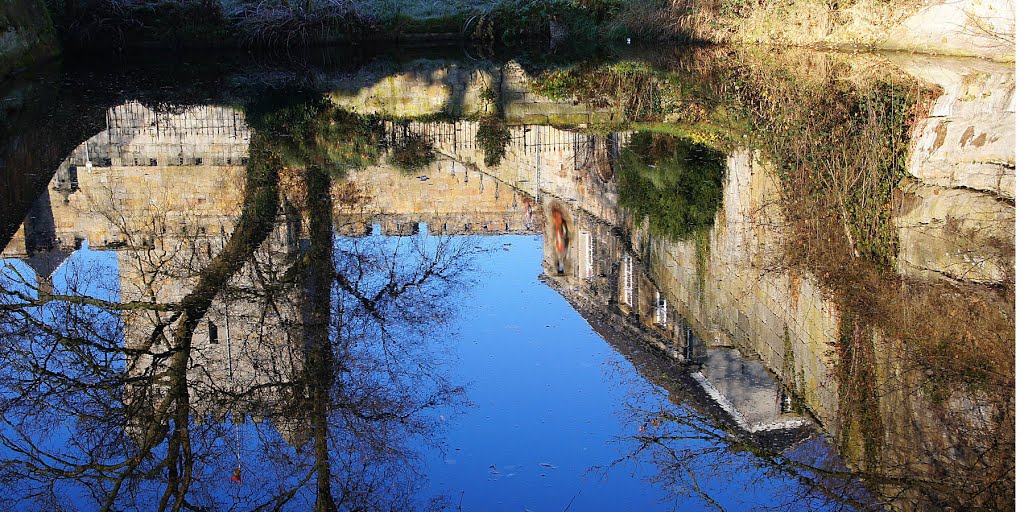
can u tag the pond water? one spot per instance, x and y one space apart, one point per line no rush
426 279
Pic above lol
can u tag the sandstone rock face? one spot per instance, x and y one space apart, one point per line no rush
984 28
969 28
955 217
967 140
957 233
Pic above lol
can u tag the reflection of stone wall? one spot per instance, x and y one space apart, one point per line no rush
956 233
420 88
246 338
721 290
137 136
537 158
426 88
109 200
165 190
612 290
449 196
601 274
968 138
169 168
730 289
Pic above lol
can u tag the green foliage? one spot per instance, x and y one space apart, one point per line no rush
514 22
674 183
890 106
640 91
310 130
559 85
488 95
412 154
493 136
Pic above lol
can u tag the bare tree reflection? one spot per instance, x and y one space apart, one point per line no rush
695 448
262 365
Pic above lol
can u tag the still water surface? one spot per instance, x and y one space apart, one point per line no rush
365 283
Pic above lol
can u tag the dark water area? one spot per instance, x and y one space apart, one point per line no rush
429 278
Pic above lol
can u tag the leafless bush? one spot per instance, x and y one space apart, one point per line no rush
275 24
106 21
646 20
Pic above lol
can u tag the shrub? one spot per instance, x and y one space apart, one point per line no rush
262 24
636 88
411 154
673 182
493 136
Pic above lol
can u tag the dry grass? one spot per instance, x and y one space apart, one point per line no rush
644 20
792 22
265 24
925 369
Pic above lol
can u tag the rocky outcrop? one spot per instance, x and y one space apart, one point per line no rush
967 140
969 28
957 233
982 28
955 216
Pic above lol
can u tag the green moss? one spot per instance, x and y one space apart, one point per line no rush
702 247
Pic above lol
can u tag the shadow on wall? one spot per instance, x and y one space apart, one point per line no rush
26 35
